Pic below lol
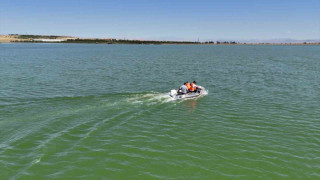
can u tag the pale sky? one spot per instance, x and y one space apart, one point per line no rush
165 19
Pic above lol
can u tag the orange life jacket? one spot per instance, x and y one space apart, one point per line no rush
192 87
188 86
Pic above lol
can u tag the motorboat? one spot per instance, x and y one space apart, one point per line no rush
177 95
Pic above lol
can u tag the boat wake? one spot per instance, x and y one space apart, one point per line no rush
150 98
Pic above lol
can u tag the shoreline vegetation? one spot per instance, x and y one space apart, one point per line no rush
20 38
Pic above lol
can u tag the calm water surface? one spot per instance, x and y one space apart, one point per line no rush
82 111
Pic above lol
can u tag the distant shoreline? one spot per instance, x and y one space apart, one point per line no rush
17 38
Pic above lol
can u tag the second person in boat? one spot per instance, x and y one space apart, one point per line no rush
194 88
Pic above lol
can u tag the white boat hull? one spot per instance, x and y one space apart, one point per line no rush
176 96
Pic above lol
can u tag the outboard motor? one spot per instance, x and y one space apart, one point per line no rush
173 93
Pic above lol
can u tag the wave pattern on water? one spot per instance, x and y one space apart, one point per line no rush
72 111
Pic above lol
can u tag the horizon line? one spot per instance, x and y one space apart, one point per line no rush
242 40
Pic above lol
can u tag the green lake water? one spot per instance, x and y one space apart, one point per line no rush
91 111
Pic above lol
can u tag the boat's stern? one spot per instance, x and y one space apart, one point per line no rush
173 93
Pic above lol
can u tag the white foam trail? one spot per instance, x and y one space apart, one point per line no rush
151 98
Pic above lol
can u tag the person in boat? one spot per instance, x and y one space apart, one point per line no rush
194 88
183 89
188 85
